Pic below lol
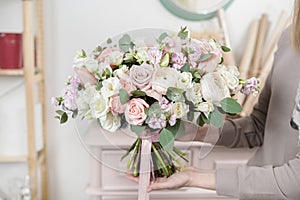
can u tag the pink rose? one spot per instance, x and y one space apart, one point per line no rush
105 53
135 111
127 83
85 76
116 106
141 74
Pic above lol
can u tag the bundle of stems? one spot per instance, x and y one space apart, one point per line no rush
163 161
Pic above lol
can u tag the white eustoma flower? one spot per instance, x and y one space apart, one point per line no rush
83 101
163 78
231 81
111 86
87 62
110 122
214 88
185 80
194 93
234 70
180 109
116 58
121 71
205 107
99 106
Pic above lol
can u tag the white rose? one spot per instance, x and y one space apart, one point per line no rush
185 80
214 88
111 86
121 71
205 107
231 81
233 70
194 94
179 109
110 122
116 58
99 106
163 78
142 55
83 101
87 62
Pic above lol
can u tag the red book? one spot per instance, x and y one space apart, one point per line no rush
10 50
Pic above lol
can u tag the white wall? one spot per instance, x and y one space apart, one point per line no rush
75 24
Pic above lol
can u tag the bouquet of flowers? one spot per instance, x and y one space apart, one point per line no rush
153 89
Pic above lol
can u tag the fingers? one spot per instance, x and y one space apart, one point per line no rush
132 178
159 186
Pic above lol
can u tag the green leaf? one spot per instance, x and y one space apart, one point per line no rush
166 139
125 43
109 41
137 129
64 118
60 112
183 33
190 116
165 60
99 86
138 93
216 118
225 49
222 60
83 54
162 36
124 97
185 68
230 105
178 129
175 94
75 113
205 57
201 120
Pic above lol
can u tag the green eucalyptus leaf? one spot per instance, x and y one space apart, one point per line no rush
60 112
185 68
137 129
166 139
109 41
230 105
175 94
138 93
162 36
205 57
190 116
63 118
99 86
178 129
124 97
125 43
183 33
225 49
216 118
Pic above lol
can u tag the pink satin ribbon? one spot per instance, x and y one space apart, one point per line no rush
145 168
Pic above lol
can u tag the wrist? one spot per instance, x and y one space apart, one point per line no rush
202 179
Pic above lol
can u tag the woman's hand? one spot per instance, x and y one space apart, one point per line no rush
188 177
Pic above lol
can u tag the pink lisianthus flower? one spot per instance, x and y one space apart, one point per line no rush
71 93
157 122
115 105
172 120
178 60
154 55
251 85
135 111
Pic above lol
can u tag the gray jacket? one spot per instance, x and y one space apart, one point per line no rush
274 171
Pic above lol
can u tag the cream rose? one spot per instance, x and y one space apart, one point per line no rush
99 106
110 122
231 81
194 93
135 111
141 75
179 109
214 88
185 80
163 78
111 86
205 107
116 58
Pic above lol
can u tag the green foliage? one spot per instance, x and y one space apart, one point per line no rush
99 86
125 43
183 33
166 139
216 118
137 129
109 41
138 93
165 60
124 97
178 129
175 94
230 105
205 57
225 49
185 68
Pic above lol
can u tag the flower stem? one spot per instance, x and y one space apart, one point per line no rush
133 155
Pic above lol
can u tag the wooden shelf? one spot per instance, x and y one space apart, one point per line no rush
11 72
13 159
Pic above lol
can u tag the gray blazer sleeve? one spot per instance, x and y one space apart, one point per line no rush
248 131
268 182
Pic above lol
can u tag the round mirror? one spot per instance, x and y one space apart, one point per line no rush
195 10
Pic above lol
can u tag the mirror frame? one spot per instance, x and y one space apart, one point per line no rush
187 15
